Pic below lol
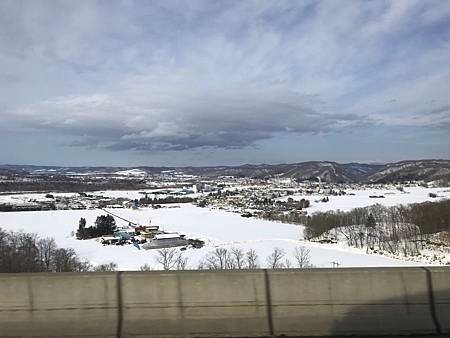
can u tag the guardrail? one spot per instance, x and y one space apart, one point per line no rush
227 303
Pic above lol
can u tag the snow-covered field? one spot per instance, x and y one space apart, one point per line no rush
21 198
151 193
218 228
360 198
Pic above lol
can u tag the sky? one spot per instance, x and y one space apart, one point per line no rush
182 83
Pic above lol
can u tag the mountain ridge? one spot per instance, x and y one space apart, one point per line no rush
327 171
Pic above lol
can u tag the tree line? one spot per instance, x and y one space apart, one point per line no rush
145 201
232 259
397 229
25 252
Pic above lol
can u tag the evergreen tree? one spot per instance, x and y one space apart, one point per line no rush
105 225
81 233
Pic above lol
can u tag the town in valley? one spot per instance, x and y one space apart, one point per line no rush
317 214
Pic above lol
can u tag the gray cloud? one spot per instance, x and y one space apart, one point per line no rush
175 75
179 118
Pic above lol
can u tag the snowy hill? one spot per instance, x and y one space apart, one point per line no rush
427 170
325 171
132 172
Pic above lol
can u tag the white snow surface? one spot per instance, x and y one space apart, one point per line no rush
361 198
24 198
131 172
218 228
151 193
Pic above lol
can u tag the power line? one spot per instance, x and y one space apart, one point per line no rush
123 219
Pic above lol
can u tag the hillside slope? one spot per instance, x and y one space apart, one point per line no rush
427 170
325 171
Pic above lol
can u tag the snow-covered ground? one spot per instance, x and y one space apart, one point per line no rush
218 228
353 198
132 172
151 193
26 198
360 198
21 198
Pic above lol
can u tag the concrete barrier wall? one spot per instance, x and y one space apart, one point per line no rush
440 284
223 303
351 302
65 304
229 303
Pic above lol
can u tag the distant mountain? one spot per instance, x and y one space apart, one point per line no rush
4 171
427 170
316 170
325 171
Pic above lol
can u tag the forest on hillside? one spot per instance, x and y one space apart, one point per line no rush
404 229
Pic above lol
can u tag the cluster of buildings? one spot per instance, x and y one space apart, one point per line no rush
277 196
149 237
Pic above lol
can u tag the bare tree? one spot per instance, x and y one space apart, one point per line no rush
202 265
181 262
145 267
166 257
218 259
211 262
47 248
252 259
105 267
302 257
287 264
238 258
24 252
223 258
66 260
274 261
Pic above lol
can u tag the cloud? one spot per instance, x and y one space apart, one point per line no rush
180 118
183 75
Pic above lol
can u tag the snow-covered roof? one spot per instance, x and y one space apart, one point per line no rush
167 236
